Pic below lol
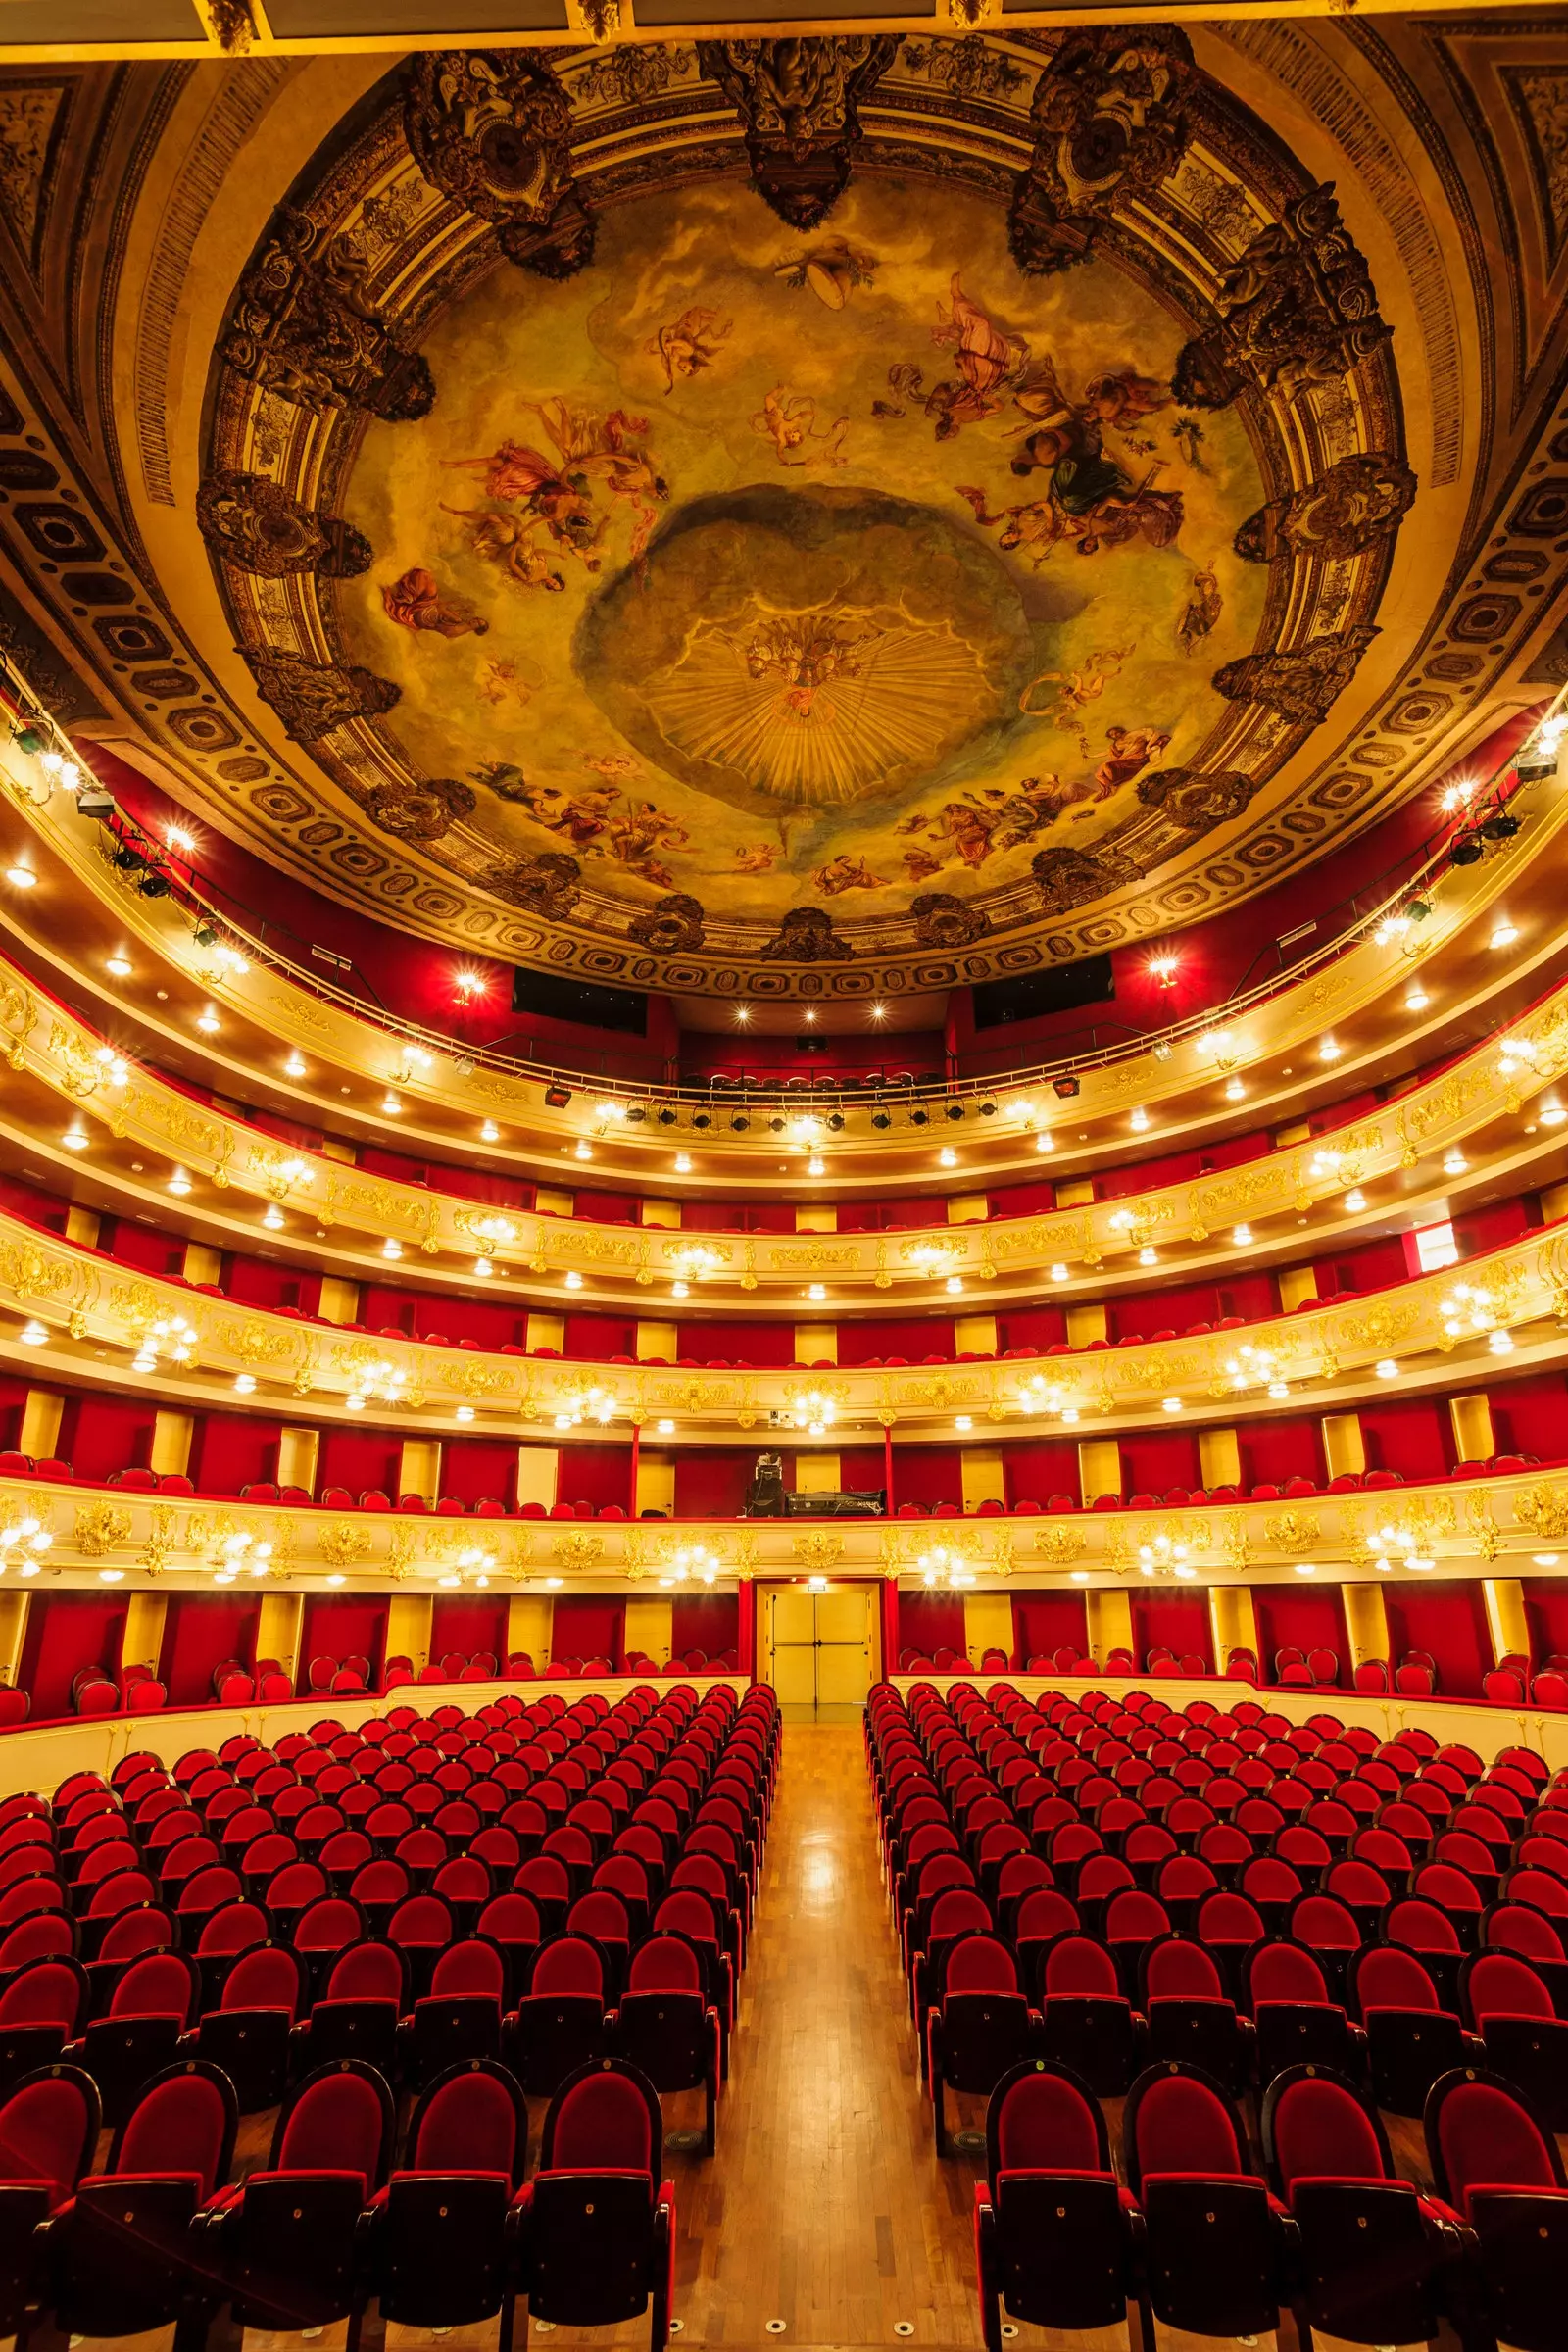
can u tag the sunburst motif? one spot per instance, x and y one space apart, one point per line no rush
817 707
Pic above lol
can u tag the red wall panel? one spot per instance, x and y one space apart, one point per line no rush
711 1481
1411 1435
1272 1451
468 1622
707 1621
232 1450
596 1474
1449 1621
1531 1416
99 1435
1547 1611
200 1632
476 1468
588 1625
66 1631
1045 1622
927 1474
363 1460
1036 1468
1154 1460
343 1625
929 1622
1177 1621
1305 1619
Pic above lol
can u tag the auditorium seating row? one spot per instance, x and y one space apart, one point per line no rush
1417 1675
170 2233
1202 2237
1097 1882
411 1893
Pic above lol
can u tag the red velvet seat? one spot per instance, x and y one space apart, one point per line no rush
1054 2237
597 2208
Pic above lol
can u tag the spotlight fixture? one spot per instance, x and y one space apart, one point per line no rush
1387 1368
584 1149
1235 1092
1064 1088
667 1117
919 1118
954 1110
881 1120
558 1096
739 1122
701 1118
244 1383
986 1110
1500 828
1467 851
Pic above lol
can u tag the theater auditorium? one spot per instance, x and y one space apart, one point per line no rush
783 1175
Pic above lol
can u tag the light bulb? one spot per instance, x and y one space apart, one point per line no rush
1416 999
1043 1141
667 1429
121 966
179 1182
1058 1272
1356 1201
815 1165
483 1268
1235 1091
273 1219
294 1068
1148 1256
76 1138
489 1133
465 1412
963 1421
584 1149
683 1165
680 1289
244 1383
20 877
954 1284
1387 1368
209 1022
390 1105
32 1333
1171 1404
391 1248
947 1157
574 1281
1504 932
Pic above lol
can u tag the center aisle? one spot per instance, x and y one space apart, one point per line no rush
826 2208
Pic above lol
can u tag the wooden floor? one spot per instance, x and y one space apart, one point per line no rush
825 2206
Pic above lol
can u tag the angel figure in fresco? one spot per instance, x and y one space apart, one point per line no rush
844 872
517 475
920 865
759 857
1201 610
509 541
500 681
603 449
415 602
990 362
1131 750
958 825
1074 691
613 766
788 420
636 831
690 344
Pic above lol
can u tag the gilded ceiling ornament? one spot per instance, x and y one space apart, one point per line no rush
1357 502
1070 878
943 922
311 698
578 1549
1543 1509
818 1550
420 811
805 936
342 1543
1302 684
1293 1532
1298 308
1194 801
492 130
251 521
545 885
1110 123
797 101
672 924
302 325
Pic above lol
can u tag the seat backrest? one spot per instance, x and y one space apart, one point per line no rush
470 1969
339 2121
423 1920
160 1985
267 1977
49 2130
1322 2131
1479 2131
1500 1985
1388 1977
1077 1969
1042 2119
1176 2122
1176 1970
567 1965
46 1992
1226 1918
184 2122
470 2121
1420 1927
604 2118
1284 1972
367 1972
1044 1913
980 1963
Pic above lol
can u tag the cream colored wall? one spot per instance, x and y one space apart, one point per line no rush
536 1474
987 1624
169 1455
1344 1449
40 1423
1099 1467
816 1344
649 1629
656 1483
340 1300
1232 1620
1365 1623
816 1473
407 1627
975 1334
298 1451
984 1480
530 1619
145 1630
419 1468
662 1212
1111 1621
1219 1457
278 1627
547 1331
656 1340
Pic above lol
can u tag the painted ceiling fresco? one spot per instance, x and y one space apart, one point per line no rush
828 559
814 572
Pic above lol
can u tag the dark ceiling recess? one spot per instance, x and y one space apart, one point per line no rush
562 999
1058 989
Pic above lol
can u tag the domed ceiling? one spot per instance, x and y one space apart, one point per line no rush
820 516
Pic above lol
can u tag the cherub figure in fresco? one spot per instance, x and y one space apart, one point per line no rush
920 865
637 831
990 363
415 602
832 271
613 766
595 448
844 872
1202 611
509 541
1131 749
1073 691
758 857
689 344
788 420
517 475
1122 399
500 681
